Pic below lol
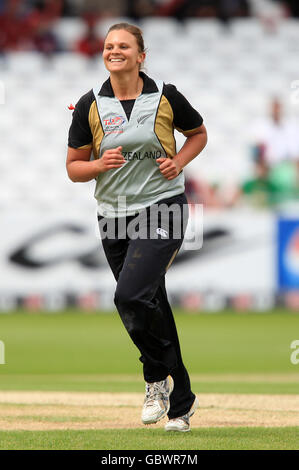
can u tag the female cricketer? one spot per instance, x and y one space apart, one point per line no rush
122 135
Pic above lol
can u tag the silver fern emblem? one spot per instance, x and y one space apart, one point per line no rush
141 120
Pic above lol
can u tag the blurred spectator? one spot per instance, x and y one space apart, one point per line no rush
200 192
232 8
21 22
105 8
11 26
90 45
45 41
270 186
291 7
2 6
276 161
49 8
222 9
71 7
137 9
259 190
269 12
279 135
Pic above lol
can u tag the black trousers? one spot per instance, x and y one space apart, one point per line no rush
139 250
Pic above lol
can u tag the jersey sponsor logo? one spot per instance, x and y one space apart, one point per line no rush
142 155
114 125
141 119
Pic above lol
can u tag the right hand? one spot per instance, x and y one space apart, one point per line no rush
112 158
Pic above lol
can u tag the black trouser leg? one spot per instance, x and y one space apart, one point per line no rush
139 308
139 265
182 397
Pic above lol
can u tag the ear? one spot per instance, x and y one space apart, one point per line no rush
141 57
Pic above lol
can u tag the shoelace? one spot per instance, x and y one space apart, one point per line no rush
153 391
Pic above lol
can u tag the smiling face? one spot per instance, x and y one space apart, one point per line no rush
121 52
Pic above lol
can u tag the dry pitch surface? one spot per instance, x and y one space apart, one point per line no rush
44 411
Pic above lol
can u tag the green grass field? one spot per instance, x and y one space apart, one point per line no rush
198 439
225 353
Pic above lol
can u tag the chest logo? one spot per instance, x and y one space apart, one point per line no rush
114 125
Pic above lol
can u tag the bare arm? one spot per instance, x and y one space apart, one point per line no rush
81 169
194 144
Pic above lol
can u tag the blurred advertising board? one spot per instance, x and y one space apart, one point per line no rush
288 254
54 260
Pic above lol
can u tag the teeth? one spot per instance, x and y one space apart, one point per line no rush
116 60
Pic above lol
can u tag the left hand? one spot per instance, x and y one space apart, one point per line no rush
169 167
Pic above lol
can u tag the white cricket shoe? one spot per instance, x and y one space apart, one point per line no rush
182 423
156 402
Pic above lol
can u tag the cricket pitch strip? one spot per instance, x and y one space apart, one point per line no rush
45 411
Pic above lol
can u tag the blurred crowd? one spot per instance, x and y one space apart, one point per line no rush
28 24
274 179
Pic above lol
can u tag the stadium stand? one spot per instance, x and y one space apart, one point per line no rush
229 71
229 74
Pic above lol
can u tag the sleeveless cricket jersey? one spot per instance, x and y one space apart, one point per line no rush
145 136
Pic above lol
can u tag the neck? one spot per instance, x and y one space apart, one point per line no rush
126 86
